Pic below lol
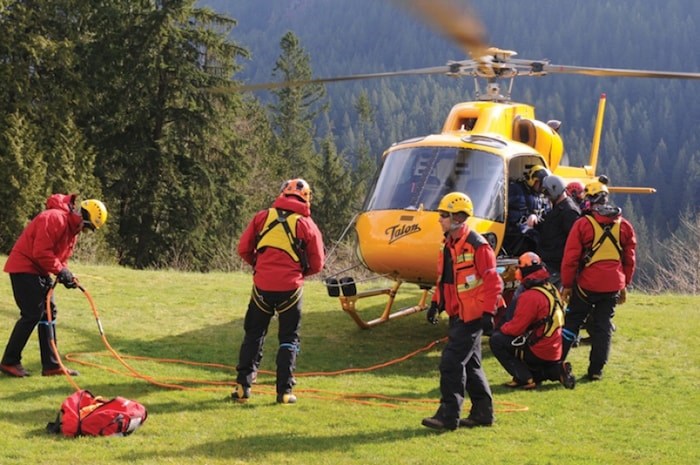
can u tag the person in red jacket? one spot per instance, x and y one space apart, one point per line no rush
529 345
283 245
598 265
42 249
469 290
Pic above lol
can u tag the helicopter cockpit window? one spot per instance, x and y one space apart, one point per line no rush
419 177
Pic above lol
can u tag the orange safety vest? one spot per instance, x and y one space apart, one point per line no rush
470 289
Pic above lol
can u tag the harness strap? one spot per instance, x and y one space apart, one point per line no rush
296 244
280 307
606 232
553 320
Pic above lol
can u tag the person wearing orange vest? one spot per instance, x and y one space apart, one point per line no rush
598 265
469 290
529 345
283 245
42 249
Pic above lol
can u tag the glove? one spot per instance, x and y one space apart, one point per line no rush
487 323
66 278
433 313
566 295
622 297
532 220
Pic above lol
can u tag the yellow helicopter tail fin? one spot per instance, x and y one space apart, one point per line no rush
595 146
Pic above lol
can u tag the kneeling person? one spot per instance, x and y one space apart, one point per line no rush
529 346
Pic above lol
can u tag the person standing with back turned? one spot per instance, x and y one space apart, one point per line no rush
598 265
42 249
469 290
283 245
555 226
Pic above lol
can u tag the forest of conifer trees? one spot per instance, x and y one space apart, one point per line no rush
115 101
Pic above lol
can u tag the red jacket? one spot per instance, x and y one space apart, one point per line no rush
273 269
47 242
602 276
533 306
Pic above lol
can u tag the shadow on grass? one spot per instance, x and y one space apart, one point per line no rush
330 341
258 446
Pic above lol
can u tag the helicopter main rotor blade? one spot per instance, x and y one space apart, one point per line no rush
613 72
459 25
282 84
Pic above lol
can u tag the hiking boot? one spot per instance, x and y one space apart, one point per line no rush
438 424
58 371
240 393
286 398
471 423
17 371
567 378
525 385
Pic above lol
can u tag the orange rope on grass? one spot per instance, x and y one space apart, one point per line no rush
358 398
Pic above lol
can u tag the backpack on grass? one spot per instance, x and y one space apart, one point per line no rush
83 414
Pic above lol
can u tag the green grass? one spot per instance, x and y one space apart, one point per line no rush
645 410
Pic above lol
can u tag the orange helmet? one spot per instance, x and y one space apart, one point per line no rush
528 263
298 187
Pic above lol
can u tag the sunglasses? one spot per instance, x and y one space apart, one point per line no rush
445 215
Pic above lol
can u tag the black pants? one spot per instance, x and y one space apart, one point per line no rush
30 295
520 362
262 306
598 310
460 371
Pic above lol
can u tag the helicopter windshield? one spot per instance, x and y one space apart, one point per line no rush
419 177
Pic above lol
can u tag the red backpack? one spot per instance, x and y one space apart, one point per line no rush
83 414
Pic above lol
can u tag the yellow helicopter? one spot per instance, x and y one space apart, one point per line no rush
484 144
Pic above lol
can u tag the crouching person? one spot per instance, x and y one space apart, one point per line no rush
529 346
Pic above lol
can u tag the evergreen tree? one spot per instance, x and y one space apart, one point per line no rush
364 164
166 161
40 85
23 171
296 109
332 208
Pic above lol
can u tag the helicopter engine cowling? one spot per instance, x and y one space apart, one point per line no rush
540 136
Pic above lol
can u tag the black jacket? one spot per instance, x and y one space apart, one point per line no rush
553 230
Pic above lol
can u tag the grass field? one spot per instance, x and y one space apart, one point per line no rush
646 410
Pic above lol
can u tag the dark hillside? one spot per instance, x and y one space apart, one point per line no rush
651 124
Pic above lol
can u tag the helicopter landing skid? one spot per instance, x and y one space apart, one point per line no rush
348 302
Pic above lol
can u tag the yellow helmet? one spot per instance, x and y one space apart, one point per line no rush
596 192
456 202
94 212
297 187
536 173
